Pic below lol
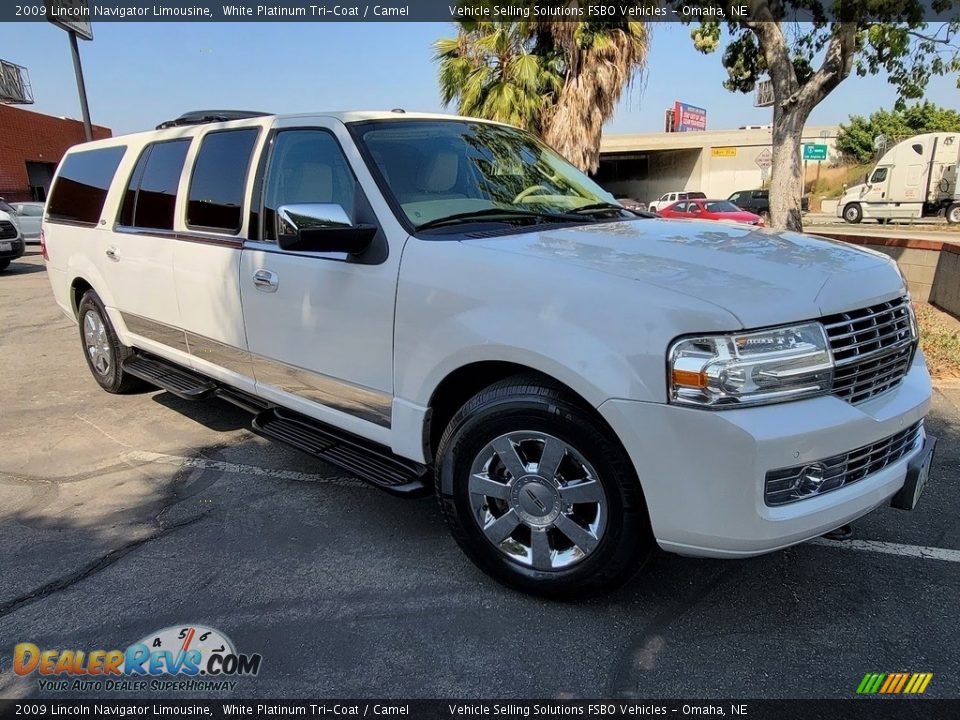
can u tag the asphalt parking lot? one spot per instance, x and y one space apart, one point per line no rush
121 515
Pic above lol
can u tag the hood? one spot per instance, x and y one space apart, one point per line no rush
855 191
761 276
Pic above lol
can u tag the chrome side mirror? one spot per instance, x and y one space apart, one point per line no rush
320 227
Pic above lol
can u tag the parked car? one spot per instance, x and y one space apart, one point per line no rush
632 204
721 210
29 216
758 201
672 197
11 242
444 304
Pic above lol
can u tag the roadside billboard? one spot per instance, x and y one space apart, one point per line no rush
71 15
687 118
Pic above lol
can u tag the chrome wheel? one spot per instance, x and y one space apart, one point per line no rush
537 500
97 343
953 215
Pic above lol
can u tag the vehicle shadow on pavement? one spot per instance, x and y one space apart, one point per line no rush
216 415
22 268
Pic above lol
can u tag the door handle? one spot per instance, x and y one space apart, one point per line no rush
265 280
113 253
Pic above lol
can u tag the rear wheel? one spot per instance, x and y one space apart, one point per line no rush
538 494
953 214
102 349
853 213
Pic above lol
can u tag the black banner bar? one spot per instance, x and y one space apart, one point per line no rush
97 11
853 709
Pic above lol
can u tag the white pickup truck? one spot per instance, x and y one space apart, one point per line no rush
444 304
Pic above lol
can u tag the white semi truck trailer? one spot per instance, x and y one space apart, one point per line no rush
915 178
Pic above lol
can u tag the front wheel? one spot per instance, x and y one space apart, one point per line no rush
953 214
102 349
539 495
4 264
853 213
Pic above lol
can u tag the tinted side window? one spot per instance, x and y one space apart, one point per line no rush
81 187
879 175
152 193
307 166
219 178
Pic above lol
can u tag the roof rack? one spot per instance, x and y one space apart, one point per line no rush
199 117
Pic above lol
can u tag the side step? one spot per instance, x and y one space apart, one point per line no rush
368 461
242 400
182 383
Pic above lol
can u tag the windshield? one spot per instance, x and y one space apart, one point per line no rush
438 169
721 206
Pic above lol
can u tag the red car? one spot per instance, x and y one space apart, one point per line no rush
722 210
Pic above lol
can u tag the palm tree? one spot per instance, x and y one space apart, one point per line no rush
601 61
560 79
491 71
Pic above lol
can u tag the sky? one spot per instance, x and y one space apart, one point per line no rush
140 74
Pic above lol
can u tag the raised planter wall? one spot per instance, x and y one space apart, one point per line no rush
931 267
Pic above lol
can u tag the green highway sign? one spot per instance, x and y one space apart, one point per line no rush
814 152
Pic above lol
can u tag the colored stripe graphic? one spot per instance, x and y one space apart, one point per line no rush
894 683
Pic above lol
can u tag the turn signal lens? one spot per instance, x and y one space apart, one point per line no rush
689 379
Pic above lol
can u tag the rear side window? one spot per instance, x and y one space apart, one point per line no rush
81 187
152 193
219 179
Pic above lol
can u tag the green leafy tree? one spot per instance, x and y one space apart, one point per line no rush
560 79
808 47
856 138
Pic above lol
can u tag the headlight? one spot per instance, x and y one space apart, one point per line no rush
751 368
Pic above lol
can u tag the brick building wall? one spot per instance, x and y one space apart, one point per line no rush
41 140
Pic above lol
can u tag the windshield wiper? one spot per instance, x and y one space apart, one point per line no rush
594 207
494 214
597 207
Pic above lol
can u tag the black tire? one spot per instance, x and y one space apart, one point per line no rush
853 213
4 264
953 214
109 376
528 403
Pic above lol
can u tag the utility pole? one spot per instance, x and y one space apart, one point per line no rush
81 87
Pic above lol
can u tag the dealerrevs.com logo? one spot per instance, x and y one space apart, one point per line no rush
188 658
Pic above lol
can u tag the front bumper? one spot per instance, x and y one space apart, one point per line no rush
15 251
703 471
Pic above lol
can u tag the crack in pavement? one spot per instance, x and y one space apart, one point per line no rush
90 569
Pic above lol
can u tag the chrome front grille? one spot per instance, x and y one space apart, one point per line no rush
872 348
813 479
7 230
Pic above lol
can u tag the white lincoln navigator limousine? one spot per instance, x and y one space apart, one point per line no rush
442 303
